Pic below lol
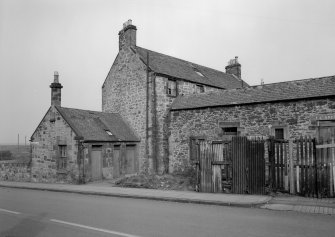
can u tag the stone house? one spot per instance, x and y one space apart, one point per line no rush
153 105
142 84
73 145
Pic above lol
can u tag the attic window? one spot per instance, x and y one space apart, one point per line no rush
109 132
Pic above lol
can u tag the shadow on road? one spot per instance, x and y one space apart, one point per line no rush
28 227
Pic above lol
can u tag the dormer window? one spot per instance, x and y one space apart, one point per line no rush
109 132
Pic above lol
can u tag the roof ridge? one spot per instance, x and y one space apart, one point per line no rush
291 81
61 107
189 62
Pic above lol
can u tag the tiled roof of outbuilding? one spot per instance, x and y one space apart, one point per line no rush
291 90
182 69
92 125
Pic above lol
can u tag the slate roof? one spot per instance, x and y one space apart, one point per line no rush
283 91
92 125
181 69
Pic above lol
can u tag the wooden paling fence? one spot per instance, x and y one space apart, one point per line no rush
248 166
299 166
302 167
212 161
238 163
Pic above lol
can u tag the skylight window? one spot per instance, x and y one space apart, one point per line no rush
109 132
197 71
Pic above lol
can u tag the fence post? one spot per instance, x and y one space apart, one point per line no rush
290 147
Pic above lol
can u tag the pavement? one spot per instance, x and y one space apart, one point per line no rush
279 203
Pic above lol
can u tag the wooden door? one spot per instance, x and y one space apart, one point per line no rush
130 160
96 165
116 162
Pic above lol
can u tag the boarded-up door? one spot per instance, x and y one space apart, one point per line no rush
96 165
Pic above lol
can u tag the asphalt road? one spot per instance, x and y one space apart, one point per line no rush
41 213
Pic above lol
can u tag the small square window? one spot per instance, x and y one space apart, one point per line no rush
230 131
172 88
200 89
279 133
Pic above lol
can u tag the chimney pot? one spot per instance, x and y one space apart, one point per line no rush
56 76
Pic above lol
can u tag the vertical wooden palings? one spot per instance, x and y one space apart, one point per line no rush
319 171
331 184
249 166
286 183
298 167
263 166
281 144
322 172
306 166
201 166
311 153
315 169
253 168
333 165
234 168
310 168
245 165
302 186
327 170
277 183
292 189
273 174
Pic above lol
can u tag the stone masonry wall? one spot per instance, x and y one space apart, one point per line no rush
255 120
45 150
124 92
15 170
163 105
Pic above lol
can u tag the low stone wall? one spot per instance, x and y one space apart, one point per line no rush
15 170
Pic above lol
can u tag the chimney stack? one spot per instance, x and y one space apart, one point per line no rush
234 67
56 89
127 36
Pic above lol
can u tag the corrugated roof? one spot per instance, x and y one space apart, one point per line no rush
292 90
182 69
92 125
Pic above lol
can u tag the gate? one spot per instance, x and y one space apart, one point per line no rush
248 166
302 167
237 165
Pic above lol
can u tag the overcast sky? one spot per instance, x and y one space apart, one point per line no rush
277 40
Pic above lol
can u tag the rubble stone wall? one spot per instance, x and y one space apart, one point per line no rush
297 117
15 170
45 150
124 92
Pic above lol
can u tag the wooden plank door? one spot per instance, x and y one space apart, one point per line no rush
130 160
116 162
96 165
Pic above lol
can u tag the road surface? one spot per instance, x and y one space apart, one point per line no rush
31 213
